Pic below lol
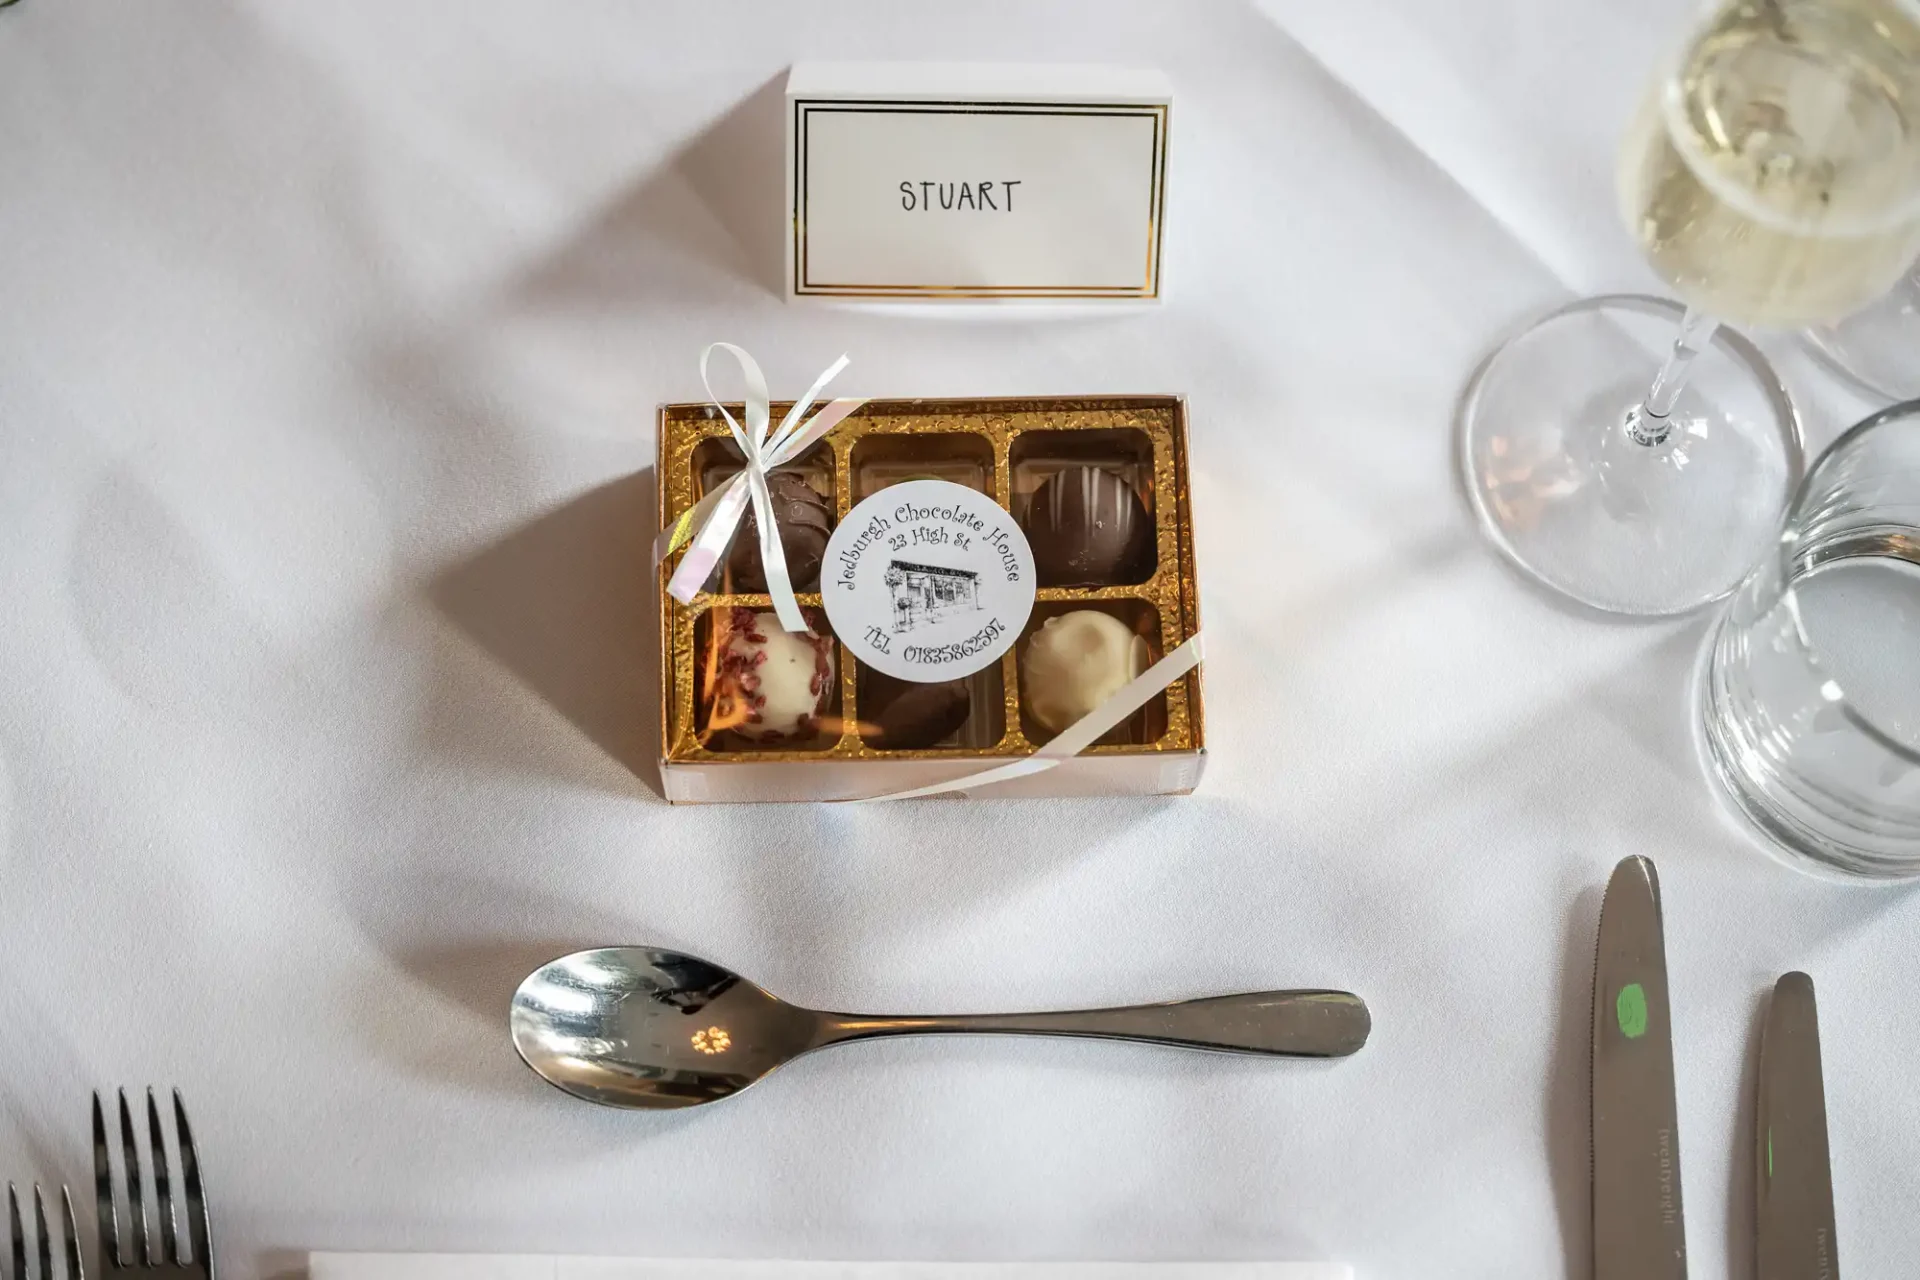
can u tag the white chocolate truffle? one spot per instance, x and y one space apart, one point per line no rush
770 685
1075 662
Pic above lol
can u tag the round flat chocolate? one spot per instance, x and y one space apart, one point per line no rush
805 521
921 715
1089 529
1075 662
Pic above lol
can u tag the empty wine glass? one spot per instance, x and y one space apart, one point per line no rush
1636 455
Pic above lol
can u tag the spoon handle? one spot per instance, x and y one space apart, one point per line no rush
1304 1024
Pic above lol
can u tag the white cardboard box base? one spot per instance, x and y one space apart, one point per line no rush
735 781
424 1266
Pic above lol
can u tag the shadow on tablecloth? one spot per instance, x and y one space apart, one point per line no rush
565 603
717 182
1569 1089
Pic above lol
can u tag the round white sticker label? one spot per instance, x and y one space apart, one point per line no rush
928 580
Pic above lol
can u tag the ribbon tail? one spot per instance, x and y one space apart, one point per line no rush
773 556
696 567
1126 700
790 423
999 773
1077 737
693 519
758 404
793 444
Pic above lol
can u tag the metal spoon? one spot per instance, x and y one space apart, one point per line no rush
641 1027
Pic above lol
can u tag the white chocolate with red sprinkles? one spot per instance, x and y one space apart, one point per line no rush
771 684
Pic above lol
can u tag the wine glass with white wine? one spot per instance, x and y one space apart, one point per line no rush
1878 347
1635 454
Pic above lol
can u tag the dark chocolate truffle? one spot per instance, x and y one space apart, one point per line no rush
921 715
1088 528
805 521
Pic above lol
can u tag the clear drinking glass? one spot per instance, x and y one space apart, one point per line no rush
1879 346
1772 177
1811 693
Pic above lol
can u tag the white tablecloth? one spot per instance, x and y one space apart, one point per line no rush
330 336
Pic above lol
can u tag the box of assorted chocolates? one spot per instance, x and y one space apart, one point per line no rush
976 579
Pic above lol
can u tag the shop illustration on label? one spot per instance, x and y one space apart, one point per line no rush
926 593
927 581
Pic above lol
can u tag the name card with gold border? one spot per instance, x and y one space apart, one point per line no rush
945 181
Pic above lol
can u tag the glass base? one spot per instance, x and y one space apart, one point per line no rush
1879 347
1552 461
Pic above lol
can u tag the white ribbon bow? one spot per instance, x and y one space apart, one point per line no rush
712 522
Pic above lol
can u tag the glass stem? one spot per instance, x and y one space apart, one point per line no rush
1649 422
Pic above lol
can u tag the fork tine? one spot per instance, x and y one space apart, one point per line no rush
40 1228
103 1190
199 1226
136 1202
19 1250
162 1183
75 1269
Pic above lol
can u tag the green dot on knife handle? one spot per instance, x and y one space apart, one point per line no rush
1631 1009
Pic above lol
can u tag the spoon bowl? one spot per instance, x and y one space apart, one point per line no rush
645 1028
641 1027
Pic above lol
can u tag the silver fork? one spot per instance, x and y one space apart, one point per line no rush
45 1247
197 1260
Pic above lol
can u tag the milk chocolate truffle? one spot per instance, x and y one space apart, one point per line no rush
1088 528
919 715
769 685
805 521
1075 662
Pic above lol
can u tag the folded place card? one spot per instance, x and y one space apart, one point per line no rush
949 181
410 1266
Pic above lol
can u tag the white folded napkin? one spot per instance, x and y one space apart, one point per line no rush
430 1266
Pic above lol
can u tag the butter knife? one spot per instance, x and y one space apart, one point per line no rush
1793 1176
1639 1232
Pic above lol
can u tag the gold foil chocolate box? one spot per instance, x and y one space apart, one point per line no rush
869 734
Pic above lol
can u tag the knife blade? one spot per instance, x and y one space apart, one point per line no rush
1793 1177
1639 1232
